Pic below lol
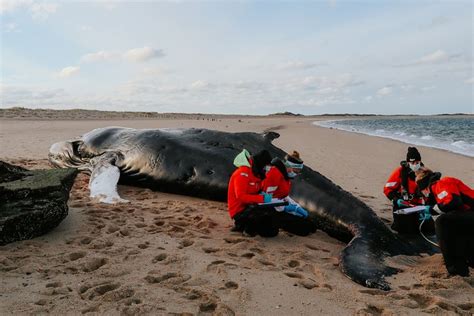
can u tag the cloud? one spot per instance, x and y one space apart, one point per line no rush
433 58
99 56
469 81
12 5
385 91
42 10
17 96
133 55
424 89
68 71
336 82
297 65
10 28
143 54
38 10
437 57
199 84
435 22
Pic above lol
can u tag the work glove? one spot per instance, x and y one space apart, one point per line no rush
425 214
401 203
296 210
267 197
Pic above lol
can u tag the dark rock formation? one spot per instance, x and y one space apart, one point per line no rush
32 202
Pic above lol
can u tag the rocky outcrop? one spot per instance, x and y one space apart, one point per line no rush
32 202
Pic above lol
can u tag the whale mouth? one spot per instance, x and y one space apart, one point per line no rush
66 155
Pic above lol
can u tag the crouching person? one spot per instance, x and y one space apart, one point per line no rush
455 227
244 195
292 218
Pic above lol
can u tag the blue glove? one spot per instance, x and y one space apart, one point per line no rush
401 203
267 197
425 214
296 210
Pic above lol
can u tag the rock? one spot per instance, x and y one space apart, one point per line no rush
32 201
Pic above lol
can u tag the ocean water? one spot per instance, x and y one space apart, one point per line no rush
455 134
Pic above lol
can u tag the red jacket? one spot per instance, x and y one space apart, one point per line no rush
243 190
452 194
393 187
276 184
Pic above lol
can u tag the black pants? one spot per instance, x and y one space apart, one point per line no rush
266 222
410 223
455 232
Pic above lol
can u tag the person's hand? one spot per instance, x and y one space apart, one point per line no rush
402 203
425 214
296 210
267 197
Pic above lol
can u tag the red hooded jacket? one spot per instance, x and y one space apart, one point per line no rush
243 190
452 194
276 184
393 187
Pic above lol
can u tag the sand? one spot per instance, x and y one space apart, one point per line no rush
166 254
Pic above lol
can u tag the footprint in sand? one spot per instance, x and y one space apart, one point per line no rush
54 284
293 263
232 240
144 245
210 249
248 255
86 240
293 275
371 309
170 277
77 255
214 264
308 284
185 243
231 285
159 258
373 292
90 292
94 264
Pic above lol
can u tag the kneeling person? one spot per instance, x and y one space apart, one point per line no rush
292 218
402 190
454 228
244 194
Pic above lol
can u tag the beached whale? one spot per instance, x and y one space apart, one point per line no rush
198 162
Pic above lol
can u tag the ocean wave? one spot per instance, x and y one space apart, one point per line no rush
457 146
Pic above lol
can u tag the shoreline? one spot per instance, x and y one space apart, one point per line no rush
319 123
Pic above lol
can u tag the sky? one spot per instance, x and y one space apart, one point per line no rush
239 57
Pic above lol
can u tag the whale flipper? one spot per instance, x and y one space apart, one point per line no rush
104 178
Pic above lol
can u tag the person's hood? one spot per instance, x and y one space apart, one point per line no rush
242 159
435 177
278 163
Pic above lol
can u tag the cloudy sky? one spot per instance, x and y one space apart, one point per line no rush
262 57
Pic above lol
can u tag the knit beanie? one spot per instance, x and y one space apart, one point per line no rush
413 154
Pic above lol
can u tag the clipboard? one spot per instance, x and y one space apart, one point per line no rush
274 203
410 210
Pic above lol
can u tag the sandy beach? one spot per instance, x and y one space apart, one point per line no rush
164 254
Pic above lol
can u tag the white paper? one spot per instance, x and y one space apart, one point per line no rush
410 210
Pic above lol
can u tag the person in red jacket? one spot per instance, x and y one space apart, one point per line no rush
292 218
402 190
454 228
243 195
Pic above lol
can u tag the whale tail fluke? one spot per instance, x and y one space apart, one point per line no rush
362 262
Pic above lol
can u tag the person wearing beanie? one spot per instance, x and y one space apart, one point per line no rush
292 217
455 227
402 190
244 194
